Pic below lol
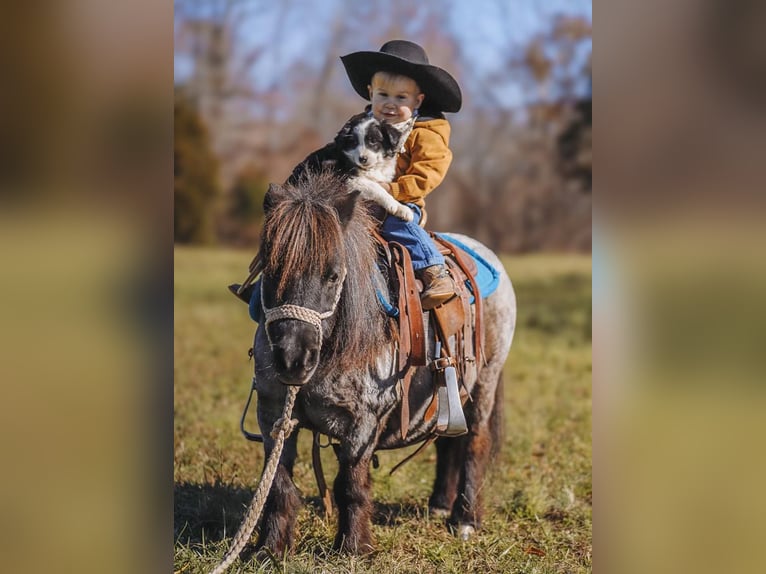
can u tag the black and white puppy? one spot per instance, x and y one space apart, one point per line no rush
364 152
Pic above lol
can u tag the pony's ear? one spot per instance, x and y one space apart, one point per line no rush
345 206
272 197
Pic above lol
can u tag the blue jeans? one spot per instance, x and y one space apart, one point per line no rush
414 238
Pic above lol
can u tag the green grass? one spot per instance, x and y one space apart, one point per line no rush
537 497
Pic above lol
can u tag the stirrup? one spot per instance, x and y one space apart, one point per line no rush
451 419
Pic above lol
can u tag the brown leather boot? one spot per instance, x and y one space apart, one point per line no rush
437 287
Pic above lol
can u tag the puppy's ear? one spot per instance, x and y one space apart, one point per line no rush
346 130
391 135
275 193
345 206
343 132
357 117
350 123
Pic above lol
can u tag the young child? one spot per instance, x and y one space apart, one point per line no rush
409 93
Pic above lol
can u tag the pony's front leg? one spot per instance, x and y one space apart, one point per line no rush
353 497
283 502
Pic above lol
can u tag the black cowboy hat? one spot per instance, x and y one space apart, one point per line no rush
408 59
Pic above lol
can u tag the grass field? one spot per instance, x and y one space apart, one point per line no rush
537 496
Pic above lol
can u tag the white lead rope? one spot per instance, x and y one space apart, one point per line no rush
282 427
279 432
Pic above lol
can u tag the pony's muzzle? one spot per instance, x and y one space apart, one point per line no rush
295 347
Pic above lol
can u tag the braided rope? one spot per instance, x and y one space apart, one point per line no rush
279 432
282 427
295 312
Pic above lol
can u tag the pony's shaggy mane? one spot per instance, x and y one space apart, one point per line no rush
302 232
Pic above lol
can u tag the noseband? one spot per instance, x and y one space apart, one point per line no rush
301 313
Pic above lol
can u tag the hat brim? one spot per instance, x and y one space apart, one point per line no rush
441 89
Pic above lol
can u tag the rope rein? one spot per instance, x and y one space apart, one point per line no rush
282 428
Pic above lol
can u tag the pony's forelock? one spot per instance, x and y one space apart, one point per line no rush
302 234
301 237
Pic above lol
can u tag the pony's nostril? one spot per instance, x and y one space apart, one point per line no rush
279 359
299 362
305 361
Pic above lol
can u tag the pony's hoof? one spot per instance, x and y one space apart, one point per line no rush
465 532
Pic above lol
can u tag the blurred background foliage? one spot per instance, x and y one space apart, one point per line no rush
266 82
195 176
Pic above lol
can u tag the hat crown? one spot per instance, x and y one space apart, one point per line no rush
406 50
405 58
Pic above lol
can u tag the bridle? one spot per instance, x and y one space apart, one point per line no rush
299 313
289 312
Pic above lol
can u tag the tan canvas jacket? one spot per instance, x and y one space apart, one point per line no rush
423 163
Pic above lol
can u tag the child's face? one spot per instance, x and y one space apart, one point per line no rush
394 98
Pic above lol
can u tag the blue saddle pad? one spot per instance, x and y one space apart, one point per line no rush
487 276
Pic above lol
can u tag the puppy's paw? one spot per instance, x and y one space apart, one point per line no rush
404 212
354 184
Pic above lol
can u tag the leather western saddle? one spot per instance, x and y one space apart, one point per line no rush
457 326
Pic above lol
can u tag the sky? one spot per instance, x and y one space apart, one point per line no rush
485 28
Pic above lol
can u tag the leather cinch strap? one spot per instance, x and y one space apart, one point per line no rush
409 306
412 340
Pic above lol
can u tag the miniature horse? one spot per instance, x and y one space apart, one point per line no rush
326 331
